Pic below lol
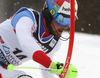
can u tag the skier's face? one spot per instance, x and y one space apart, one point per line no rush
56 29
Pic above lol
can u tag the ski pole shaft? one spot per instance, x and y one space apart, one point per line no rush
11 68
46 69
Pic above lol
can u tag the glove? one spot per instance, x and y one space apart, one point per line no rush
71 73
58 66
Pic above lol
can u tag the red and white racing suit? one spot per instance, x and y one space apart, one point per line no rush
24 36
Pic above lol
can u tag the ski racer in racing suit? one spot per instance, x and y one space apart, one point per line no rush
29 34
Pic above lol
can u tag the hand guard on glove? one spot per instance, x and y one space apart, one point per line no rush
71 73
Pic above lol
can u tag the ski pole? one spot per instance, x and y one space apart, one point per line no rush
11 68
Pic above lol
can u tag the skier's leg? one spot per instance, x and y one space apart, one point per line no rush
9 43
6 55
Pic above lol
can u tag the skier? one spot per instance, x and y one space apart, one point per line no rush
29 34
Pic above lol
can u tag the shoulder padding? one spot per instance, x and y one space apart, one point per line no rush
23 12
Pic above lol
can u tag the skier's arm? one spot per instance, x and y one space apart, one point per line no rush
24 28
28 42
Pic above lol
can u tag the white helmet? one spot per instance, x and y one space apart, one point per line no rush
60 10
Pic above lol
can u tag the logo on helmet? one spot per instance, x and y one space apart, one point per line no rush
52 12
65 8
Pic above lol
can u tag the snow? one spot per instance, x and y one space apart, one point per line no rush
86 56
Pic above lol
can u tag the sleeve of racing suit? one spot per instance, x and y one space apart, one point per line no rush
24 28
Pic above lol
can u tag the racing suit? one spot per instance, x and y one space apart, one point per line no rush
24 36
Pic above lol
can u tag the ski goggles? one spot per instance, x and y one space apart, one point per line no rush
62 21
59 18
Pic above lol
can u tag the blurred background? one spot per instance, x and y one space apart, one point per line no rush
86 55
88 12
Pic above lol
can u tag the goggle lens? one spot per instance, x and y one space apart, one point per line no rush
62 21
